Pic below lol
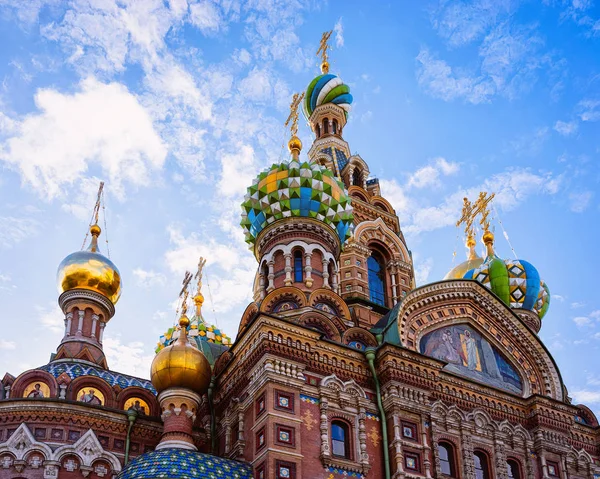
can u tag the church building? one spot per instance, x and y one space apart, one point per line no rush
341 367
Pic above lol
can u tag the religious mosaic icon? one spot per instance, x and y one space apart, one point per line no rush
90 396
37 390
137 404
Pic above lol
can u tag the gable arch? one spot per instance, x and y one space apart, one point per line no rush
289 293
460 301
377 231
33 375
381 202
359 192
249 314
321 323
328 296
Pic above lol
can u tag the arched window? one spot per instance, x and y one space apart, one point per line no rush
325 126
335 125
298 270
340 439
318 130
482 468
376 278
514 469
447 459
356 177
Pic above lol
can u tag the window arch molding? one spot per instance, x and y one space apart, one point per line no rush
483 468
447 454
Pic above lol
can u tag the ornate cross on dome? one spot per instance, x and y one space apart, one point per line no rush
184 292
480 207
293 117
323 47
198 275
468 216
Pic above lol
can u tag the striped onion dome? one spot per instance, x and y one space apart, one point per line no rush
516 282
327 88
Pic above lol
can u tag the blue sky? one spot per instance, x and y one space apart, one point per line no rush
176 105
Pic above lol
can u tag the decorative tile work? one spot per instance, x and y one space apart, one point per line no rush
374 436
74 435
261 405
296 189
285 470
284 435
184 464
372 416
309 420
284 401
57 434
412 461
261 439
310 399
75 370
409 431
40 433
344 472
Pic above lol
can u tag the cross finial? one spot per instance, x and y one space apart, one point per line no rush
198 276
467 216
323 47
481 207
184 292
292 119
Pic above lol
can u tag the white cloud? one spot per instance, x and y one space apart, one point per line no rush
580 201
102 124
257 85
339 33
589 110
132 358
423 270
575 304
7 345
148 279
52 318
14 230
429 175
582 321
206 16
238 169
582 396
566 128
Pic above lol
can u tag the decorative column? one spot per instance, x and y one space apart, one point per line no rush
68 321
393 272
427 451
227 438
271 276
501 464
80 324
351 175
324 427
362 437
467 452
326 274
398 456
436 457
7 391
101 335
288 269
95 318
308 281
334 279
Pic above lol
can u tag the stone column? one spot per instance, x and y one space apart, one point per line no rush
398 456
7 391
467 453
362 437
426 451
351 175
393 272
334 279
308 281
95 318
68 320
501 464
227 438
288 269
326 274
436 457
80 324
271 276
324 427
102 326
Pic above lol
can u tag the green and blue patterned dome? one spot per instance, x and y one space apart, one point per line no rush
293 189
184 464
516 282
327 88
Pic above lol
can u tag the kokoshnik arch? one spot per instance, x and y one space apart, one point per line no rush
341 366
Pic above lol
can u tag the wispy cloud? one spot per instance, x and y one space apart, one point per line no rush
566 128
339 33
580 201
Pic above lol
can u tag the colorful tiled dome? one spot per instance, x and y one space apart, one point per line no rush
296 189
184 464
327 88
516 282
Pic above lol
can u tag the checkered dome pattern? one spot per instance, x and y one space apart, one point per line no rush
296 189
516 282
184 464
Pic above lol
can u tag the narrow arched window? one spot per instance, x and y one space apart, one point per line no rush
298 270
514 469
356 177
482 468
325 126
335 126
340 439
376 278
447 461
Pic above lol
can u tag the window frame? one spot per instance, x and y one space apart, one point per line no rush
417 457
451 451
556 468
517 464
347 428
298 268
485 464
377 297
290 465
291 398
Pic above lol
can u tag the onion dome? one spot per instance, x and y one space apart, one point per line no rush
209 339
327 88
181 365
90 270
184 464
473 261
293 189
516 282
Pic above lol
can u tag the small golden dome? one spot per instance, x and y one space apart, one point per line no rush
488 237
295 144
458 272
181 365
90 270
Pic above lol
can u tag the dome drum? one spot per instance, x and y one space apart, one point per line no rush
82 298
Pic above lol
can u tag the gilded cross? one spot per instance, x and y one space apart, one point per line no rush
323 47
481 207
293 117
184 292
467 217
198 275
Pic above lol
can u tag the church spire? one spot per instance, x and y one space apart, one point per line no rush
294 145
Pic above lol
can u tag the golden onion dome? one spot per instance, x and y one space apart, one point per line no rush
90 270
181 365
473 261
295 145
